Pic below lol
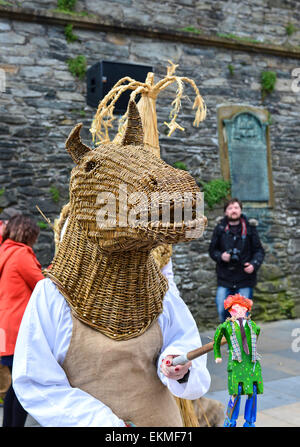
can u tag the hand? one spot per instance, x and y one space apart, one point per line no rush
174 372
248 268
225 256
218 360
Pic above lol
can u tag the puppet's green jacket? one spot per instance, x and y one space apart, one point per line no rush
247 370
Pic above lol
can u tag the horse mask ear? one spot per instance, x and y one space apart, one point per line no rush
134 131
75 146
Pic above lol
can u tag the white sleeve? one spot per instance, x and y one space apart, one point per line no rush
181 335
39 381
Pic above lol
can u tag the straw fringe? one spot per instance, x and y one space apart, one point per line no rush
104 116
187 411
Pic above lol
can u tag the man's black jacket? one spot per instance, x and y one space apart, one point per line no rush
223 239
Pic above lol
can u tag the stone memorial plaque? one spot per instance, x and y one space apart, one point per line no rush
246 154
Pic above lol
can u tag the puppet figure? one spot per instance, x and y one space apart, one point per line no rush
244 370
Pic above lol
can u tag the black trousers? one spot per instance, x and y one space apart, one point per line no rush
14 414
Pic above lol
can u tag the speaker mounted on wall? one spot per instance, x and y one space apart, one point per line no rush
102 76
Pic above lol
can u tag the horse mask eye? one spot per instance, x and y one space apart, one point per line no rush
90 165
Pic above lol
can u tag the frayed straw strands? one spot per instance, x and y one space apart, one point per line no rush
104 116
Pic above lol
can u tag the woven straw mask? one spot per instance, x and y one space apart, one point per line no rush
112 173
104 266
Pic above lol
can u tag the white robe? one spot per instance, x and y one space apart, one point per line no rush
41 384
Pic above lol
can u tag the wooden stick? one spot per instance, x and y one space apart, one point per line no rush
203 350
46 218
182 359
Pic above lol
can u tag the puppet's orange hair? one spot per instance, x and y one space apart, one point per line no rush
237 299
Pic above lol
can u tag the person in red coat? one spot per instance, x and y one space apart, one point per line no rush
19 273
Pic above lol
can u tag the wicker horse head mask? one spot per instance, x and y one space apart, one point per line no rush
124 197
122 204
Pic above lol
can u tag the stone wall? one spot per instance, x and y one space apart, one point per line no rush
42 101
262 20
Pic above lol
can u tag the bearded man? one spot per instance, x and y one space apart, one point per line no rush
236 248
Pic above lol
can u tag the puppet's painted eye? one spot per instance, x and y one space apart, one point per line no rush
90 165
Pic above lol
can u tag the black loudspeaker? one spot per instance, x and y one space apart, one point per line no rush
102 76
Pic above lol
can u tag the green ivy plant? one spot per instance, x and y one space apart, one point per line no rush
77 66
268 80
80 112
238 38
4 3
54 194
70 36
290 29
42 225
66 5
191 29
214 191
2 191
270 119
180 165
231 69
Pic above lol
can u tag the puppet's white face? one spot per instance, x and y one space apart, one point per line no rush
238 311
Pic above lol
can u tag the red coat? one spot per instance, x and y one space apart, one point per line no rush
19 273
